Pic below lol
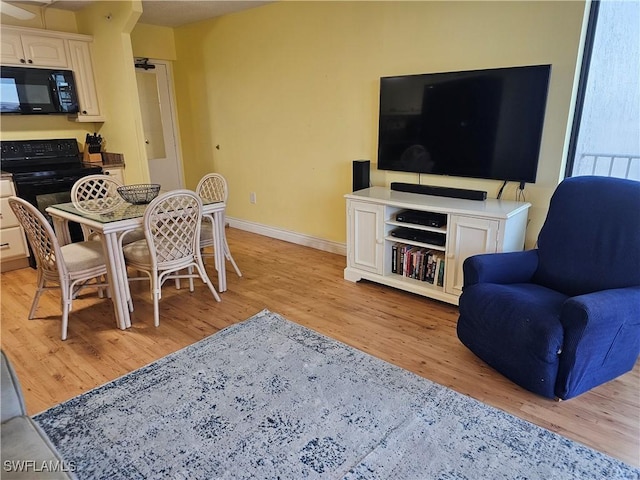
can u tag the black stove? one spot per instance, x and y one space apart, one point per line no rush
44 159
44 172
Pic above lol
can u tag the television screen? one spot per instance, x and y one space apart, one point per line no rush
482 123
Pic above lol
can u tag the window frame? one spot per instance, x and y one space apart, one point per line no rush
582 86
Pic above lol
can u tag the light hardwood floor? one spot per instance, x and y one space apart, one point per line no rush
305 286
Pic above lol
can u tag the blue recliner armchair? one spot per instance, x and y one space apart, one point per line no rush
565 317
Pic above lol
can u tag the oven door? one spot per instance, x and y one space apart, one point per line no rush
43 193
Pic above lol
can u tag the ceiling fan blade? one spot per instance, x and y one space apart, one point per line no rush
15 12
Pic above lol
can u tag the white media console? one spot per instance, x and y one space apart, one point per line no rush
472 227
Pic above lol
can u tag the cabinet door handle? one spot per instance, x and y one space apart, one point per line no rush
22 60
29 61
4 245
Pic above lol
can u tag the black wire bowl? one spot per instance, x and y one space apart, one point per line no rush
139 194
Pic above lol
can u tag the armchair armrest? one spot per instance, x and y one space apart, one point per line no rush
601 339
501 268
12 400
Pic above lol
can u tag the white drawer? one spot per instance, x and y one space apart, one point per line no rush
6 188
12 244
7 217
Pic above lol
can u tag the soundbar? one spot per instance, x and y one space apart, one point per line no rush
439 191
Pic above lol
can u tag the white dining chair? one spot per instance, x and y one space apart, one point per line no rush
69 267
99 194
213 186
172 223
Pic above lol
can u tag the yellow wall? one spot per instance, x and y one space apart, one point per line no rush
111 24
282 98
151 41
289 93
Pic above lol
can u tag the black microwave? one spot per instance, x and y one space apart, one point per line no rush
32 91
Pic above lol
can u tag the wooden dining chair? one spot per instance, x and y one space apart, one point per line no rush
213 186
69 267
172 223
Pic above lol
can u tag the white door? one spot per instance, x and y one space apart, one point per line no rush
158 121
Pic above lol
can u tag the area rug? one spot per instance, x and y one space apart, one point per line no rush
268 399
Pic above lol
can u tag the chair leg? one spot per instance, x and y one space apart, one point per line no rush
36 297
190 272
67 295
227 254
155 294
65 319
205 278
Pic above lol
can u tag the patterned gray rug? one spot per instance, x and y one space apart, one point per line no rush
267 398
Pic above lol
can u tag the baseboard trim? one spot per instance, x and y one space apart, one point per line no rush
288 236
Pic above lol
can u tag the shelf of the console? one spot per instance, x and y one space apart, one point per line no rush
416 226
414 243
402 283
413 281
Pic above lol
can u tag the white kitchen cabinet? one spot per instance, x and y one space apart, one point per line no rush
115 172
80 55
13 243
470 227
33 49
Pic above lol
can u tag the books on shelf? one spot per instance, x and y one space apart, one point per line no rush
420 263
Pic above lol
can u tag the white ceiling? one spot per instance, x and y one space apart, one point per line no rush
169 13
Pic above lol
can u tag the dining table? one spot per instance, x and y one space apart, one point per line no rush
112 225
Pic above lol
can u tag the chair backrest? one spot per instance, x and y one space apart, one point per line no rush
172 228
213 186
590 240
96 193
41 236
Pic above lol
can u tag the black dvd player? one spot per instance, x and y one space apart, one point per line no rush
432 238
428 219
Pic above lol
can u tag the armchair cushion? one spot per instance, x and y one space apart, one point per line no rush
590 239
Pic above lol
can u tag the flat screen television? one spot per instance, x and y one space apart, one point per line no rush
481 123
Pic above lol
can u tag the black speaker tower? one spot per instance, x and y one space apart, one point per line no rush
361 178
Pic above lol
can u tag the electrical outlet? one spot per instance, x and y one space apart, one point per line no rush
252 197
